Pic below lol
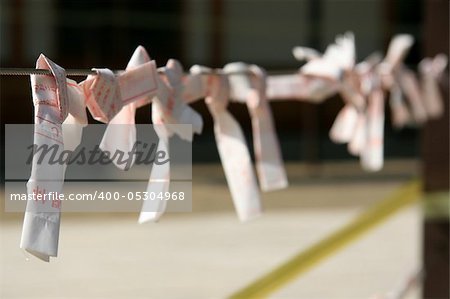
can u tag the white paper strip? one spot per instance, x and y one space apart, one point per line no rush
252 91
358 140
137 84
431 70
343 128
372 154
159 180
410 86
40 232
72 127
168 108
399 112
233 150
103 95
299 87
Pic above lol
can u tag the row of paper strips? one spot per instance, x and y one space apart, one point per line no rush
113 99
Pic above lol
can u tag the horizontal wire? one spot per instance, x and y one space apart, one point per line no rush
84 72
31 71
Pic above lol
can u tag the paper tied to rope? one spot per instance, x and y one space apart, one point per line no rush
359 136
172 106
40 232
336 65
215 88
76 120
338 58
410 86
400 115
367 137
168 108
159 181
232 147
248 84
344 125
431 70
398 49
361 124
388 72
395 75
305 53
349 127
350 91
299 87
107 93
358 116
372 153
195 84
349 122
103 95
138 84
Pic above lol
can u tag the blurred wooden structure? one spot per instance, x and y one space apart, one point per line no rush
435 152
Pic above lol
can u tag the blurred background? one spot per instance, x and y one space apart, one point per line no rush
207 253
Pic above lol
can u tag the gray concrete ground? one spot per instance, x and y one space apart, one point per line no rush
209 254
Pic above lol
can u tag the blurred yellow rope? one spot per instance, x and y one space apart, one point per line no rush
307 259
